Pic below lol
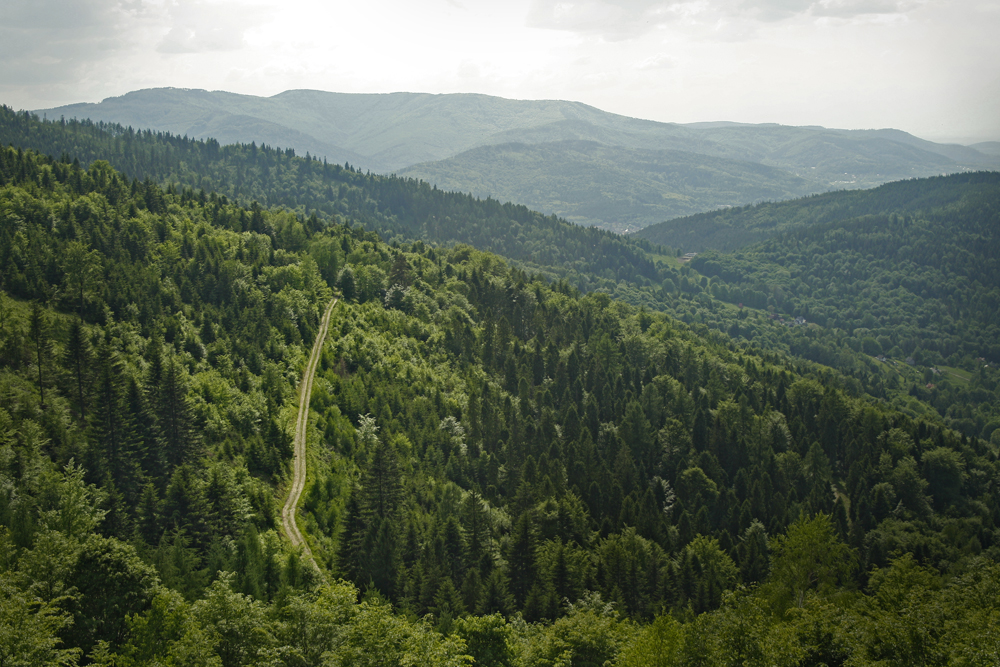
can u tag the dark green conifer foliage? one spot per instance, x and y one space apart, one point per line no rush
148 526
174 419
754 554
39 329
77 358
184 504
347 284
112 583
112 428
179 564
520 559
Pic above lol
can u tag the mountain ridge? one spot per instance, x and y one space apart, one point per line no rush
393 132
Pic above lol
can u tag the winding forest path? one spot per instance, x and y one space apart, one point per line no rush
288 520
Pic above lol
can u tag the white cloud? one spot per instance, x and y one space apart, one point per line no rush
200 27
617 20
611 19
658 61
853 8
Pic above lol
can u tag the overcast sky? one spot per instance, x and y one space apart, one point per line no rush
930 67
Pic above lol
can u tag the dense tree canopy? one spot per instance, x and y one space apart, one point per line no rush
540 476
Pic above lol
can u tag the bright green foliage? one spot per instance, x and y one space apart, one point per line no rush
29 629
325 627
810 558
488 639
168 633
375 637
743 632
659 644
234 625
589 636
312 624
705 572
328 193
824 271
82 267
914 616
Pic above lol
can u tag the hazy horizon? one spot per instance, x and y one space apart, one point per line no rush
926 67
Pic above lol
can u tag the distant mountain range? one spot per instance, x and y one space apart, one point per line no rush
567 158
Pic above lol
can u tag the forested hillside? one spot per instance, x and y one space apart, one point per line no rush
326 193
919 291
934 275
612 187
588 259
539 476
730 229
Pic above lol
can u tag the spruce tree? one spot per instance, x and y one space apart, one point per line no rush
174 417
112 429
77 359
39 327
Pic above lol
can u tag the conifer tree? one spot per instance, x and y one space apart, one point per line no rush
370 544
82 267
148 451
77 359
148 516
520 558
39 327
174 418
112 428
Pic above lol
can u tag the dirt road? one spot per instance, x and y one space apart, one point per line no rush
288 520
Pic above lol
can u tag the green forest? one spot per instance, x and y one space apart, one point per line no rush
510 463
732 228
908 303
325 193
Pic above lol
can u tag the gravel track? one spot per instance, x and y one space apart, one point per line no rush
288 512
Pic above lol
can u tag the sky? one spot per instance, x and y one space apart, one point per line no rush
929 67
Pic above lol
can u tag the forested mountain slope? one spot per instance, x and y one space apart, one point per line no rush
922 287
326 192
589 259
906 271
389 132
616 188
541 476
731 229
396 130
